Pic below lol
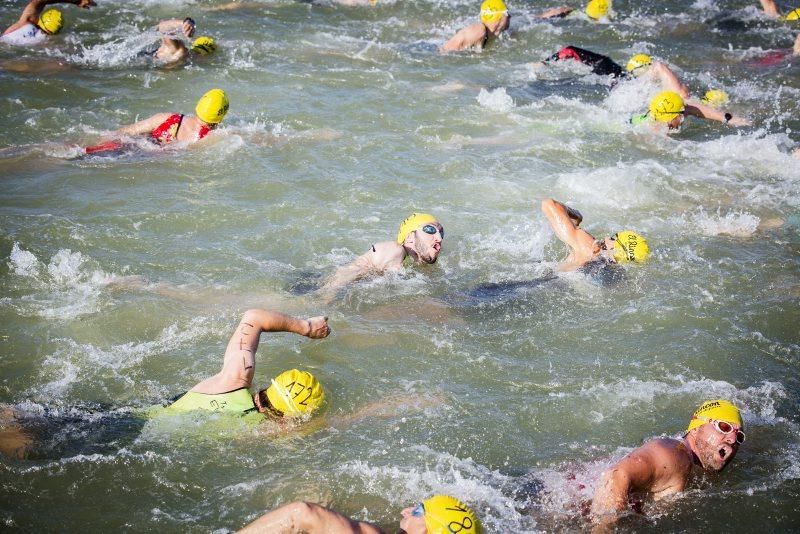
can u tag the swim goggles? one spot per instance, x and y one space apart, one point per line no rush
724 427
418 510
431 229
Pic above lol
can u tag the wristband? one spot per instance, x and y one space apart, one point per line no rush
728 118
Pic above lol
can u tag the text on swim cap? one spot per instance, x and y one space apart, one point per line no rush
291 386
466 521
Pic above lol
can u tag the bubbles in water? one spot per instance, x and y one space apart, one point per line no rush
497 100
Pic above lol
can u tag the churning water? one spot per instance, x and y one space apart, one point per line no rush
122 277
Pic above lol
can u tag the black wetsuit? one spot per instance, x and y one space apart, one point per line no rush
600 64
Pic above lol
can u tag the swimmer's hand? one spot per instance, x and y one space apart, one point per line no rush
85 4
317 327
188 26
574 215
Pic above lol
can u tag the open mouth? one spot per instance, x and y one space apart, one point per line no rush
723 453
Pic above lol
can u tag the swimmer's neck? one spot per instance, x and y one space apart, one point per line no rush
687 445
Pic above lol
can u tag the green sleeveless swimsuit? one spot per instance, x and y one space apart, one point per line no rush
237 401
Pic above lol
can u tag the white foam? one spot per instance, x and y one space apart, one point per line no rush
498 100
737 224
23 262
67 287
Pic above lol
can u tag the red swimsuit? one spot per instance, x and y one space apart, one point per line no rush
167 131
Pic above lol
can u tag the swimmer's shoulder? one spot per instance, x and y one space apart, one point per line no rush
386 255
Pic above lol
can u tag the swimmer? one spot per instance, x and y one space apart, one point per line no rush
440 514
292 393
164 128
640 65
667 107
584 248
33 26
770 8
420 238
596 10
494 21
663 466
172 49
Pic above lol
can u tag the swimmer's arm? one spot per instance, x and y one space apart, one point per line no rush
32 11
668 79
307 517
556 12
770 8
143 126
238 366
707 112
633 473
565 221
176 26
796 49
380 257
465 38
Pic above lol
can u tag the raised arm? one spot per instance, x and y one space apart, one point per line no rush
707 112
465 38
565 222
770 8
177 26
308 518
32 11
239 364
662 74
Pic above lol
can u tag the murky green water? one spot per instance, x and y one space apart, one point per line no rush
122 278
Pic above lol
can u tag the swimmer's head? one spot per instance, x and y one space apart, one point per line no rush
630 246
716 98
666 106
639 64
51 21
212 106
294 393
414 222
793 14
441 514
597 9
493 11
717 410
204 45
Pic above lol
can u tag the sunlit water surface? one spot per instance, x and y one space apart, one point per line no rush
122 277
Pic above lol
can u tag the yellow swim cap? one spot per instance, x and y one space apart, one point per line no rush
630 246
720 410
637 62
413 222
51 21
793 14
666 105
492 11
212 106
204 45
598 9
294 393
715 98
445 515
